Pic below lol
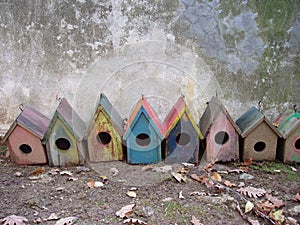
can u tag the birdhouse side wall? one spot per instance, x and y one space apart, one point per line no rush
222 141
261 134
292 148
150 153
188 150
21 136
108 151
57 156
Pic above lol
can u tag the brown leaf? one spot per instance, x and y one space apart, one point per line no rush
195 221
183 170
277 203
66 221
179 177
252 192
38 171
125 211
14 220
201 179
215 176
264 206
248 162
209 166
297 197
229 184
252 221
147 167
91 184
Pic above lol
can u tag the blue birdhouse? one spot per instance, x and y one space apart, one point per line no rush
182 135
143 135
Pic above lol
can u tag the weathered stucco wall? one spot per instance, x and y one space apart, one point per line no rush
245 51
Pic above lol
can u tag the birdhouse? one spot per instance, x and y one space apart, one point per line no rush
144 135
23 139
258 136
104 134
220 132
63 137
288 125
182 135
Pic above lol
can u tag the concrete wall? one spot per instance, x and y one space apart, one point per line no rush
244 51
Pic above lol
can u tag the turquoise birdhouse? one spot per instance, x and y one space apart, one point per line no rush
143 135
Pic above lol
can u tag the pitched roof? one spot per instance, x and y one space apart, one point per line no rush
211 113
115 117
288 122
251 119
31 120
144 106
69 117
175 115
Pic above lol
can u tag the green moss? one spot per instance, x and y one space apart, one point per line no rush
275 167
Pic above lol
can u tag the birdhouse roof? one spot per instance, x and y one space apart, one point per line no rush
106 107
143 106
287 122
175 115
211 113
31 120
251 119
70 119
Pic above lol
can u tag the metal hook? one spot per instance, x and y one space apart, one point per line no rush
21 107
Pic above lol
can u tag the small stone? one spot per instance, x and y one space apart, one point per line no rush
149 211
246 176
295 210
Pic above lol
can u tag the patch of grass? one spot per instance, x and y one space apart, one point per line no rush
3 149
175 212
275 167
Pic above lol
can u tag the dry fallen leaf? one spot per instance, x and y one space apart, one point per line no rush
229 184
53 171
53 216
249 206
297 197
66 172
277 216
291 221
18 174
114 171
179 177
252 192
125 211
195 221
134 221
252 221
198 193
264 206
38 171
91 184
215 176
147 167
201 179
248 162
98 184
131 194
66 221
180 195
277 203
14 220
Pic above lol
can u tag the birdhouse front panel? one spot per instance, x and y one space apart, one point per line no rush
104 141
182 143
143 142
292 147
62 146
260 143
222 141
25 148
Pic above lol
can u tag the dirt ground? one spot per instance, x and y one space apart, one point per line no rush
45 194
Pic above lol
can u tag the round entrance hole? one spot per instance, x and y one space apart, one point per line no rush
62 143
25 148
221 137
297 144
183 139
104 138
143 139
259 146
